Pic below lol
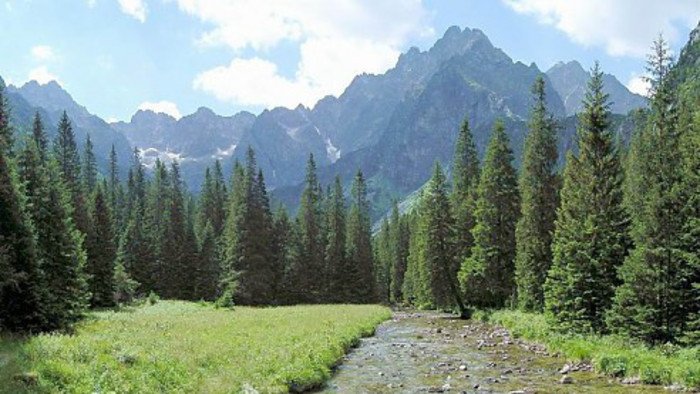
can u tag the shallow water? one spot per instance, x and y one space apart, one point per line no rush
429 352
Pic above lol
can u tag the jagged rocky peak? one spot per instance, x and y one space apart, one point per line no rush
50 96
571 66
144 116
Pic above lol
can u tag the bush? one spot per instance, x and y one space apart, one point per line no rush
153 298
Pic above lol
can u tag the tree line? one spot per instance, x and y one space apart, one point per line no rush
72 239
611 244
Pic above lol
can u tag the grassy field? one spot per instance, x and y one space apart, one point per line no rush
179 347
612 356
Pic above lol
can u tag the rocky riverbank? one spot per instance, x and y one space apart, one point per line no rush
430 352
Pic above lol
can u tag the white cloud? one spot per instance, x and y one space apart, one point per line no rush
42 75
337 40
91 3
163 107
622 27
43 52
639 85
134 8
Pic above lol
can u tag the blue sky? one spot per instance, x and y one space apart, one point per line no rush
115 56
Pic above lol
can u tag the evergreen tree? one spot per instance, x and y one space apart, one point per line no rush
249 253
21 289
399 253
39 135
101 250
218 213
653 301
415 289
382 260
439 230
115 195
464 192
590 237
282 251
158 228
306 282
232 234
89 168
336 262
359 245
539 193
66 152
178 251
207 273
59 244
690 237
136 250
487 276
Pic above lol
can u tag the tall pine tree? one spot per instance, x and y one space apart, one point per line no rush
336 261
590 238
540 198
440 263
21 288
487 276
465 179
59 244
101 250
306 283
653 301
359 245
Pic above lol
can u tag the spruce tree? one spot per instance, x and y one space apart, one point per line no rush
89 168
158 228
101 250
487 276
39 134
359 245
282 251
59 244
232 234
306 282
439 229
415 286
336 261
690 237
207 272
399 244
136 253
178 251
465 179
21 284
382 260
66 153
590 237
539 193
115 195
249 253
654 301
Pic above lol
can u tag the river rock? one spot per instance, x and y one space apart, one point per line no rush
631 380
462 367
565 369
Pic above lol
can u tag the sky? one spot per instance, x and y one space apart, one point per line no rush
174 56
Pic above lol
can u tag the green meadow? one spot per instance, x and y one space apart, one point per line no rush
180 347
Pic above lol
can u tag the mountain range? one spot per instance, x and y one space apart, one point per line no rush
393 126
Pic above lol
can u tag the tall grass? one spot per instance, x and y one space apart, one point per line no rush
179 347
610 355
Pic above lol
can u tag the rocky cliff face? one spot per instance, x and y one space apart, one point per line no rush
570 79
